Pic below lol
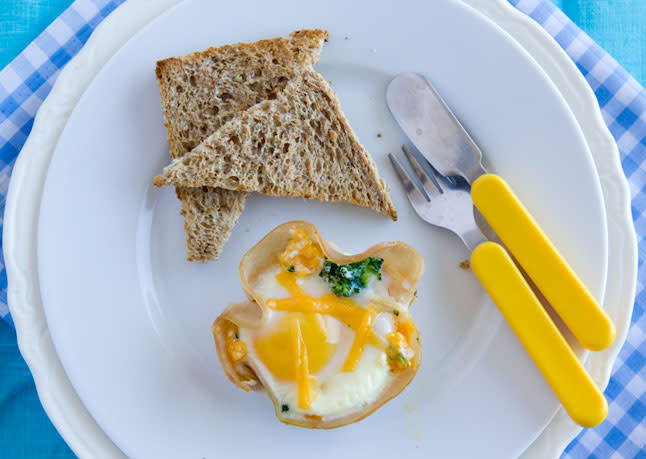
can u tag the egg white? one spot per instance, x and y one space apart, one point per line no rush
339 393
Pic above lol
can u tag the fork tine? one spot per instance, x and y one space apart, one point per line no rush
440 179
415 196
432 187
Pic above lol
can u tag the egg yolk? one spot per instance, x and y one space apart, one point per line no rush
274 348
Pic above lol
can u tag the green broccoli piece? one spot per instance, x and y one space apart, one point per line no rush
346 280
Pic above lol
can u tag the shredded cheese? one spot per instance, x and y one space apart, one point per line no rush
397 340
407 328
288 281
236 349
401 355
302 255
305 382
360 338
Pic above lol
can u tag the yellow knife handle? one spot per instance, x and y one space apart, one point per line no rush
553 356
542 262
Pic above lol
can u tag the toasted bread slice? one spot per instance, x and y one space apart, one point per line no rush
200 93
299 144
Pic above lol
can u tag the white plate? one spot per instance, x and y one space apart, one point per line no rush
133 330
70 323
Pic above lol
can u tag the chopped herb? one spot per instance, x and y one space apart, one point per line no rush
284 407
291 268
237 336
396 312
400 359
346 280
417 339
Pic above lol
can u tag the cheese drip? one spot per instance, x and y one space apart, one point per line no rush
360 337
307 390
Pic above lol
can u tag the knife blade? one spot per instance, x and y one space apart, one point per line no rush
429 123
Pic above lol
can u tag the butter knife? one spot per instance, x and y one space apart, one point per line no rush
431 126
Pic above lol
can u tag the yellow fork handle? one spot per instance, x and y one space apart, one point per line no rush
542 262
569 380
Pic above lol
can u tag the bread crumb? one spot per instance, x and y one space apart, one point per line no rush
247 229
379 135
464 264
374 50
330 82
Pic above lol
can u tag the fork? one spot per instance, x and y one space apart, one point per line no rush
441 202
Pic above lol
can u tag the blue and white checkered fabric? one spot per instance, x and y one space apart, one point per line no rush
25 83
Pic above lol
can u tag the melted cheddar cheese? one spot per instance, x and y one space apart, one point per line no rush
360 338
305 382
236 348
301 256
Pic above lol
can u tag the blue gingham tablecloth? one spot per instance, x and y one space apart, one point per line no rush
26 81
